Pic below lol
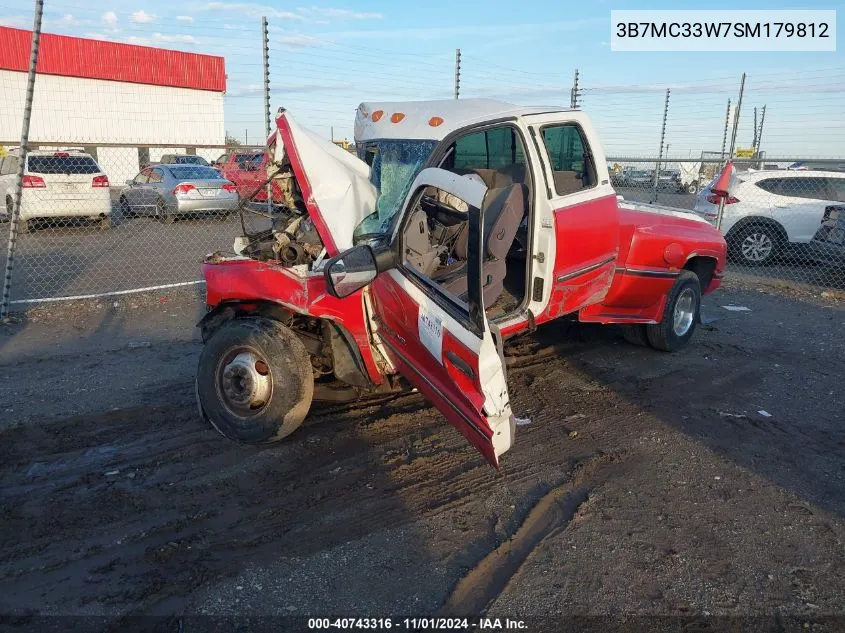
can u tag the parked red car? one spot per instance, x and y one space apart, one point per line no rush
462 223
248 170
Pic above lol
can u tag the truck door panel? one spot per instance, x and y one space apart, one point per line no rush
585 211
441 343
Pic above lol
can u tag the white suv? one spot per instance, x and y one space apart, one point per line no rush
56 184
768 210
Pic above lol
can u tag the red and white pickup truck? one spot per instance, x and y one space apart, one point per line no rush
460 224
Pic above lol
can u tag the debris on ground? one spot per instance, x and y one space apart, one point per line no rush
731 308
522 421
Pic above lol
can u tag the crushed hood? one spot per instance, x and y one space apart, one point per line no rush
335 184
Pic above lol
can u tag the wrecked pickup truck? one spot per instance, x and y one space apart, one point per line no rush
460 223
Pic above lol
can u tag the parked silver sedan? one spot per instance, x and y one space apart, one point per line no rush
166 191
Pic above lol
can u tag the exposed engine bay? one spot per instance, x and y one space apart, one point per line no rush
292 239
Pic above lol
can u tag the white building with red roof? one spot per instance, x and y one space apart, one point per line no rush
112 99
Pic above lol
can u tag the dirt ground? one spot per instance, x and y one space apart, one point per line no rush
703 484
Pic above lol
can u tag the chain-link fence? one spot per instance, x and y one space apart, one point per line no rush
138 155
114 219
784 217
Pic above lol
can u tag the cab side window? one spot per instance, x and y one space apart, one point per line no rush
570 158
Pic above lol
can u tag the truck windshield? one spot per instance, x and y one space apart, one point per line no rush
393 166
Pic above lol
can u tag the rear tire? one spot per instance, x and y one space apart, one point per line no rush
125 209
755 245
635 334
692 188
680 317
254 382
161 213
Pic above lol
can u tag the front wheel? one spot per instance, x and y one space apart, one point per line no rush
680 316
692 188
254 382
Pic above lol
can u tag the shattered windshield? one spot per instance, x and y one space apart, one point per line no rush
393 166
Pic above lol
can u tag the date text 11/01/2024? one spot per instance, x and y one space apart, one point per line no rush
417 624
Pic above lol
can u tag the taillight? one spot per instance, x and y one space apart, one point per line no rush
100 181
229 187
714 199
183 189
34 182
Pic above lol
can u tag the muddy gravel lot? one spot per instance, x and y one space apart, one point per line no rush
706 484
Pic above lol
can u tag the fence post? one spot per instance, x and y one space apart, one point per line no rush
27 115
457 72
721 210
725 135
760 131
660 154
266 55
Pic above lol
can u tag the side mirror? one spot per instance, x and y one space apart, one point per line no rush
350 271
130 182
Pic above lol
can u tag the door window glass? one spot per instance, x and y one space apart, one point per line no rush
569 157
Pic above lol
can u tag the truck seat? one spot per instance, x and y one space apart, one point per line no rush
503 211
499 178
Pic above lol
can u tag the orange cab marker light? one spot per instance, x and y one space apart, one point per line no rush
397 116
377 115
435 121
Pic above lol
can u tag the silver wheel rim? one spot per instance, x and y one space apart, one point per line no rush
757 247
684 312
243 382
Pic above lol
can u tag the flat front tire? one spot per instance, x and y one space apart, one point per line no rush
680 317
254 381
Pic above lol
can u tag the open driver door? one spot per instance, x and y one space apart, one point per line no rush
440 342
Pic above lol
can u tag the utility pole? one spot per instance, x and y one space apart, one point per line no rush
760 131
736 116
725 135
457 72
574 93
754 138
662 138
16 206
266 39
721 211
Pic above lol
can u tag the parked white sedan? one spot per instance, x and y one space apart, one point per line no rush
61 184
769 210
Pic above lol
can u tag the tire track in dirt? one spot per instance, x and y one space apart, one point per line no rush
197 502
550 516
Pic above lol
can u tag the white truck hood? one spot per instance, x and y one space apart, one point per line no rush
335 184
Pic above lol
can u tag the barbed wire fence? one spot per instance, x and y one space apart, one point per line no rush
98 214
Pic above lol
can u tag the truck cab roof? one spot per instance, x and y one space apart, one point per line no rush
433 120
